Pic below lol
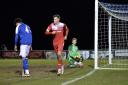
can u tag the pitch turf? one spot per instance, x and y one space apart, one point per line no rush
43 72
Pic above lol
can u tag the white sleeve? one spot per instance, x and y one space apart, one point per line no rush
17 27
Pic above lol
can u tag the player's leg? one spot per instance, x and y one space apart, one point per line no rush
60 59
23 54
78 61
60 63
28 47
80 58
80 64
28 50
71 62
58 49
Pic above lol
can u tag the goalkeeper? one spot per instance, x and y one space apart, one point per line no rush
74 57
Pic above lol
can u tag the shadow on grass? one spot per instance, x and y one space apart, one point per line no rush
18 72
53 71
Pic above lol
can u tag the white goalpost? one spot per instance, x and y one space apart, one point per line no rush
111 36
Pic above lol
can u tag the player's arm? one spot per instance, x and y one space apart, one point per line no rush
70 50
79 57
49 30
31 48
16 38
66 32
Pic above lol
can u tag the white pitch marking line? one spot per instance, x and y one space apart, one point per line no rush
76 79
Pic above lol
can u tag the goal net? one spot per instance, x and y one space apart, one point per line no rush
111 36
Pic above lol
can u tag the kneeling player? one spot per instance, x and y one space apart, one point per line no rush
74 57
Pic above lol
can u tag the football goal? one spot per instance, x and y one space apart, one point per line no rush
111 36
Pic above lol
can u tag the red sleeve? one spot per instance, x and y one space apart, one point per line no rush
50 29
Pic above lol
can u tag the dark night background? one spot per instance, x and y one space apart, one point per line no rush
77 14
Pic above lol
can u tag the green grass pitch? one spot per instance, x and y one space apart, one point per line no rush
43 72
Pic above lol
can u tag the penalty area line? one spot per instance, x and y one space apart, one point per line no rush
79 78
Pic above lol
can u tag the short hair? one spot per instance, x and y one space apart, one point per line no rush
74 39
56 15
18 20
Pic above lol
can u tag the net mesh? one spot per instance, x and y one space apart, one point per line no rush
119 35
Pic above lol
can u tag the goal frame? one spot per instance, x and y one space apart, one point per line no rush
96 66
